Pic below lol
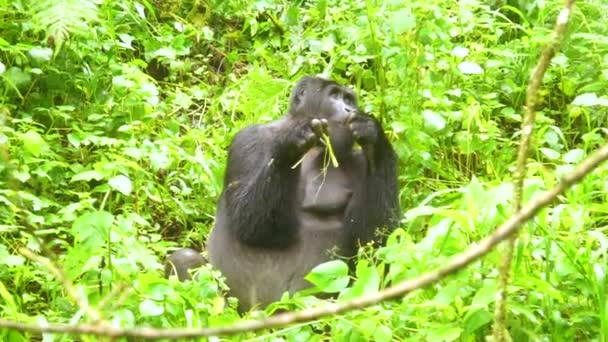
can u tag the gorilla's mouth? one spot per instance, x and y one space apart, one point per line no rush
324 210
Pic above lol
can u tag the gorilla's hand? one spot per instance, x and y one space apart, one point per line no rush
319 126
365 128
310 134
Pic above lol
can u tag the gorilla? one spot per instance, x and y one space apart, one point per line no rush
320 180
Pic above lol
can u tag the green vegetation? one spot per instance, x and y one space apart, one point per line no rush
115 117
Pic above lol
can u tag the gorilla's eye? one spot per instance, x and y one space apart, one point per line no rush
335 92
350 100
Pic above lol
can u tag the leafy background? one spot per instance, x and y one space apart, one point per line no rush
116 115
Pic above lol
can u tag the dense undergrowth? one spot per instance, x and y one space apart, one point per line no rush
116 116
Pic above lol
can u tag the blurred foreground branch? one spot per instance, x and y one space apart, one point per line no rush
510 227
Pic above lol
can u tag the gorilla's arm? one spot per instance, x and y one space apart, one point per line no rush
382 186
380 198
260 183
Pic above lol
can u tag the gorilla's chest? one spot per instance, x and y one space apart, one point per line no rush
325 191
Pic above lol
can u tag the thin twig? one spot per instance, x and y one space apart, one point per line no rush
527 131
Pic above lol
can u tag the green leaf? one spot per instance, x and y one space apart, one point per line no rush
475 319
422 210
22 175
574 156
74 139
383 334
150 308
444 333
126 40
9 304
328 43
367 326
121 183
41 53
159 159
165 52
93 228
448 293
460 217
330 277
470 68
87 176
33 142
590 99
133 152
549 153
368 281
600 272
433 120
460 52
368 278
485 295
13 260
122 81
403 21
17 77
398 126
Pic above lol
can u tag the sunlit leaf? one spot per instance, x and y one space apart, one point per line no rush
368 281
398 127
433 120
8 300
121 183
74 139
590 99
17 76
126 40
447 294
460 52
574 156
422 210
486 295
444 333
93 227
549 153
13 260
33 142
403 20
331 276
87 176
149 307
470 68
41 53
383 334
476 318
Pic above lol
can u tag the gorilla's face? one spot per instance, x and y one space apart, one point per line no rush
320 98
338 104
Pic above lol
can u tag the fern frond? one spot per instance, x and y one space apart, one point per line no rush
62 18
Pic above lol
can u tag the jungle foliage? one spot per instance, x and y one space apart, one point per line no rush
115 117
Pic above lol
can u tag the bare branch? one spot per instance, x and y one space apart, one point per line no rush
527 131
511 226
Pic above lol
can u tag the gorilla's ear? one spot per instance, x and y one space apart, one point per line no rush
298 95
